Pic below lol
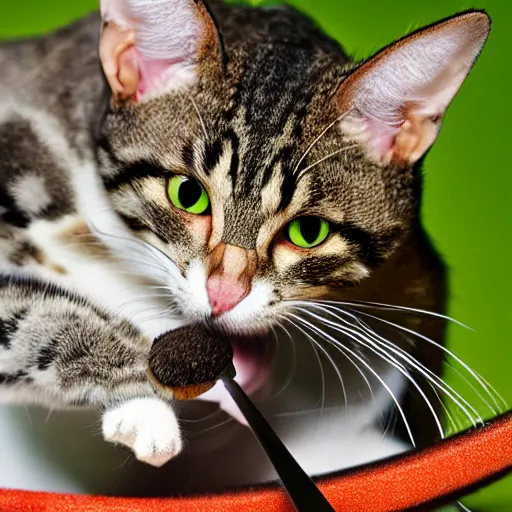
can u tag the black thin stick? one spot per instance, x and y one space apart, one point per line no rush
304 493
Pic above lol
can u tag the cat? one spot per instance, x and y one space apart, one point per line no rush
176 161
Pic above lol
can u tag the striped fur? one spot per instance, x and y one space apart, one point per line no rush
87 231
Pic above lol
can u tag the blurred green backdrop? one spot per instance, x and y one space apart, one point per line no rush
467 206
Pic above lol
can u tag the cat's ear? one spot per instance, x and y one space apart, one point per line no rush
149 47
395 101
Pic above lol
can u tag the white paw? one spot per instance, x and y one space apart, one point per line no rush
146 425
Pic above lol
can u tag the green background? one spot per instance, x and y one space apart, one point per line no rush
467 206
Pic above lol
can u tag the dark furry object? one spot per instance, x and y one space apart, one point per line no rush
189 361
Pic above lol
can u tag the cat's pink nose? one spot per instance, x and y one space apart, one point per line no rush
224 294
231 270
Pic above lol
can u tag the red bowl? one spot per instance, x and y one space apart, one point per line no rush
439 474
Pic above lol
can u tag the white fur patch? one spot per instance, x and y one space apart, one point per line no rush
30 193
108 284
196 284
146 425
250 311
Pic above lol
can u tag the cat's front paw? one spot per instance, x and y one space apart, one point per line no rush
146 425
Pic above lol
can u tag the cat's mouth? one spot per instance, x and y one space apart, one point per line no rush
253 352
253 358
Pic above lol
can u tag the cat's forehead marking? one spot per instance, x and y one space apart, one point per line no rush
271 195
245 170
217 174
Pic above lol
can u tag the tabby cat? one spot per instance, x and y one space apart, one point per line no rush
228 165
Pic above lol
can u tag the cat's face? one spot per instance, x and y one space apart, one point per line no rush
240 183
260 186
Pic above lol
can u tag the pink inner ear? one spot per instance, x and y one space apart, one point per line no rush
158 76
381 136
166 35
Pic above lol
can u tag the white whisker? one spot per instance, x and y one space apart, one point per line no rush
453 424
204 418
330 155
304 412
343 348
293 369
337 370
490 390
158 257
377 305
340 377
431 377
209 429
481 381
366 342
141 298
314 346
200 117
447 389
317 139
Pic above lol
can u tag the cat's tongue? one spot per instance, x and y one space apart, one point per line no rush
252 358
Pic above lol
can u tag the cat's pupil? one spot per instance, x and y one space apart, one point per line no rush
189 193
310 228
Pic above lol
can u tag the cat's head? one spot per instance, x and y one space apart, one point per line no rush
260 166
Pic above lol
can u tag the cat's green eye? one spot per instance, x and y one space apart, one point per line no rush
188 194
308 232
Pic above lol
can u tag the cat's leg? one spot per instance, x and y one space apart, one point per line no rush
59 350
